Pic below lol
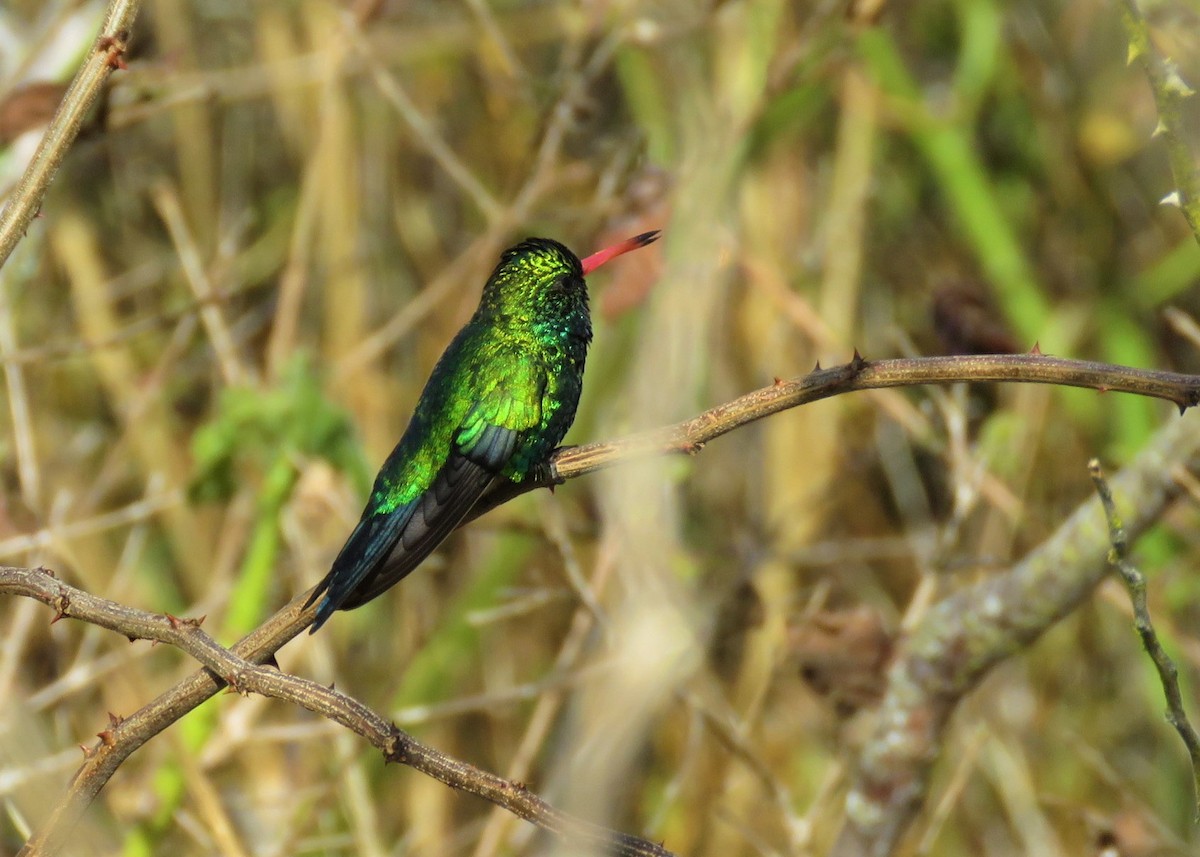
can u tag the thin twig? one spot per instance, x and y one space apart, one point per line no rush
166 200
106 54
1135 582
422 129
1170 90
24 432
247 677
139 510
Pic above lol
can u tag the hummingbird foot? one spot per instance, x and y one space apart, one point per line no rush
546 473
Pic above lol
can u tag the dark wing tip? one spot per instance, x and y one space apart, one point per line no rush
367 547
323 614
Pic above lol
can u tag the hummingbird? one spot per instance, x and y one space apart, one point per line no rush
498 402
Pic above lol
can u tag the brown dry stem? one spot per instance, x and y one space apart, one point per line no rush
224 667
105 56
690 436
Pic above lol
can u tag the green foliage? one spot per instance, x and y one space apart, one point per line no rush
253 430
947 144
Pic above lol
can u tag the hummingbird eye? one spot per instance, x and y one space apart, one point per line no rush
562 284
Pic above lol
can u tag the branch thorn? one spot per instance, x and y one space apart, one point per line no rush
178 622
114 47
1174 82
61 604
235 684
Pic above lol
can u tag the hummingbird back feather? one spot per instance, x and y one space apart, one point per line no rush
499 401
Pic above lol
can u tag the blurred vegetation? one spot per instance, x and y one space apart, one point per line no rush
284 210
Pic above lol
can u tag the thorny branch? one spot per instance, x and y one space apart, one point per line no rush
105 56
690 436
687 437
245 677
861 374
1135 582
1170 91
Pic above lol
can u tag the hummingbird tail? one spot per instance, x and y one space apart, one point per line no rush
384 548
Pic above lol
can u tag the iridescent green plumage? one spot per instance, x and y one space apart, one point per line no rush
497 404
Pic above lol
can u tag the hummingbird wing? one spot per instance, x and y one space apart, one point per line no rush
385 547
464 478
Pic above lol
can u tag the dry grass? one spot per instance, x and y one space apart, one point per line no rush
221 322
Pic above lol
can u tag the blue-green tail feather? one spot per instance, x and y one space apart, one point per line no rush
385 547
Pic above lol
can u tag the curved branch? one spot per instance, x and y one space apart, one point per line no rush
249 677
688 436
860 374
106 53
131 733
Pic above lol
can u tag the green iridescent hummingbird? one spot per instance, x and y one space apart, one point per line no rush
497 404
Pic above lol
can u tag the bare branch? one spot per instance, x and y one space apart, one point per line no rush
860 374
690 436
1135 582
105 56
248 677
152 718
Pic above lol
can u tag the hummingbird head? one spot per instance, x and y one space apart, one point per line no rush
540 281
533 276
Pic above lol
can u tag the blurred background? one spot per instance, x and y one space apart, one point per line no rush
282 212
